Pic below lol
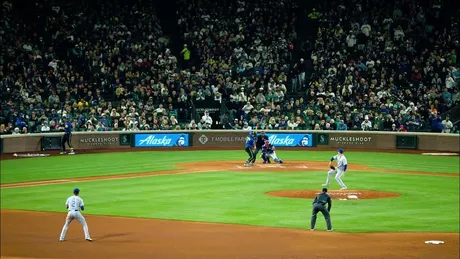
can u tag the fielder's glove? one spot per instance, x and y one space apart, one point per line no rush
332 167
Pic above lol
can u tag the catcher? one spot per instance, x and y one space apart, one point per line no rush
269 151
260 142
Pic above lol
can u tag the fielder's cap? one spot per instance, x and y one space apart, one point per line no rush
324 190
76 190
340 151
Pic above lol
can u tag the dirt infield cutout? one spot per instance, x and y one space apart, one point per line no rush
229 166
336 195
118 237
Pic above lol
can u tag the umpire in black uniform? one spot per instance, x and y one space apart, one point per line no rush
319 205
260 141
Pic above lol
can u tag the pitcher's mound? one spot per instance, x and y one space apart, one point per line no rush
337 195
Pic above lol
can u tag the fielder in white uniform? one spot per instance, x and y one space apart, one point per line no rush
74 205
339 171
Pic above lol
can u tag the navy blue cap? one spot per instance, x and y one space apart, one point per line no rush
340 151
76 190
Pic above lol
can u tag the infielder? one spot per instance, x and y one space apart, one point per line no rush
74 204
269 151
339 171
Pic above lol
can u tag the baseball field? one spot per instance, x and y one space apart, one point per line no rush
206 204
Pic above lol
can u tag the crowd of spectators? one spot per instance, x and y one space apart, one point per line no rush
388 61
375 65
106 67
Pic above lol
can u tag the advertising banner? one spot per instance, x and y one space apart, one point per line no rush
219 139
96 141
290 140
322 139
125 139
161 140
238 139
364 141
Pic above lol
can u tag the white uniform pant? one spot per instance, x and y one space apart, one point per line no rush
70 217
338 177
273 156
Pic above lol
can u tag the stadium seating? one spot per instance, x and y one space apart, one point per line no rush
370 65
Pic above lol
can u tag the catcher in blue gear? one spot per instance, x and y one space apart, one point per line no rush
269 151
260 142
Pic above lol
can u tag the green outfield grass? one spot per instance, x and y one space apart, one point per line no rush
428 203
62 167
229 197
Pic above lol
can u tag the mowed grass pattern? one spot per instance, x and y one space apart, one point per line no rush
64 167
428 203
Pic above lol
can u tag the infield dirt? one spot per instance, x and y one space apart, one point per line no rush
36 234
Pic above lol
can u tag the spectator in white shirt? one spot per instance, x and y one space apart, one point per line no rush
218 97
45 127
366 124
160 109
173 120
247 127
247 108
399 34
206 119
351 40
366 29
450 82
447 125
411 108
292 124
53 63
16 131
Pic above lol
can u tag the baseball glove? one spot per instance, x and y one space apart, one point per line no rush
332 167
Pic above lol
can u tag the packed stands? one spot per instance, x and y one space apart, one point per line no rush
360 65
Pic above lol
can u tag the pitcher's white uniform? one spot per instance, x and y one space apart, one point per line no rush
74 204
339 170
